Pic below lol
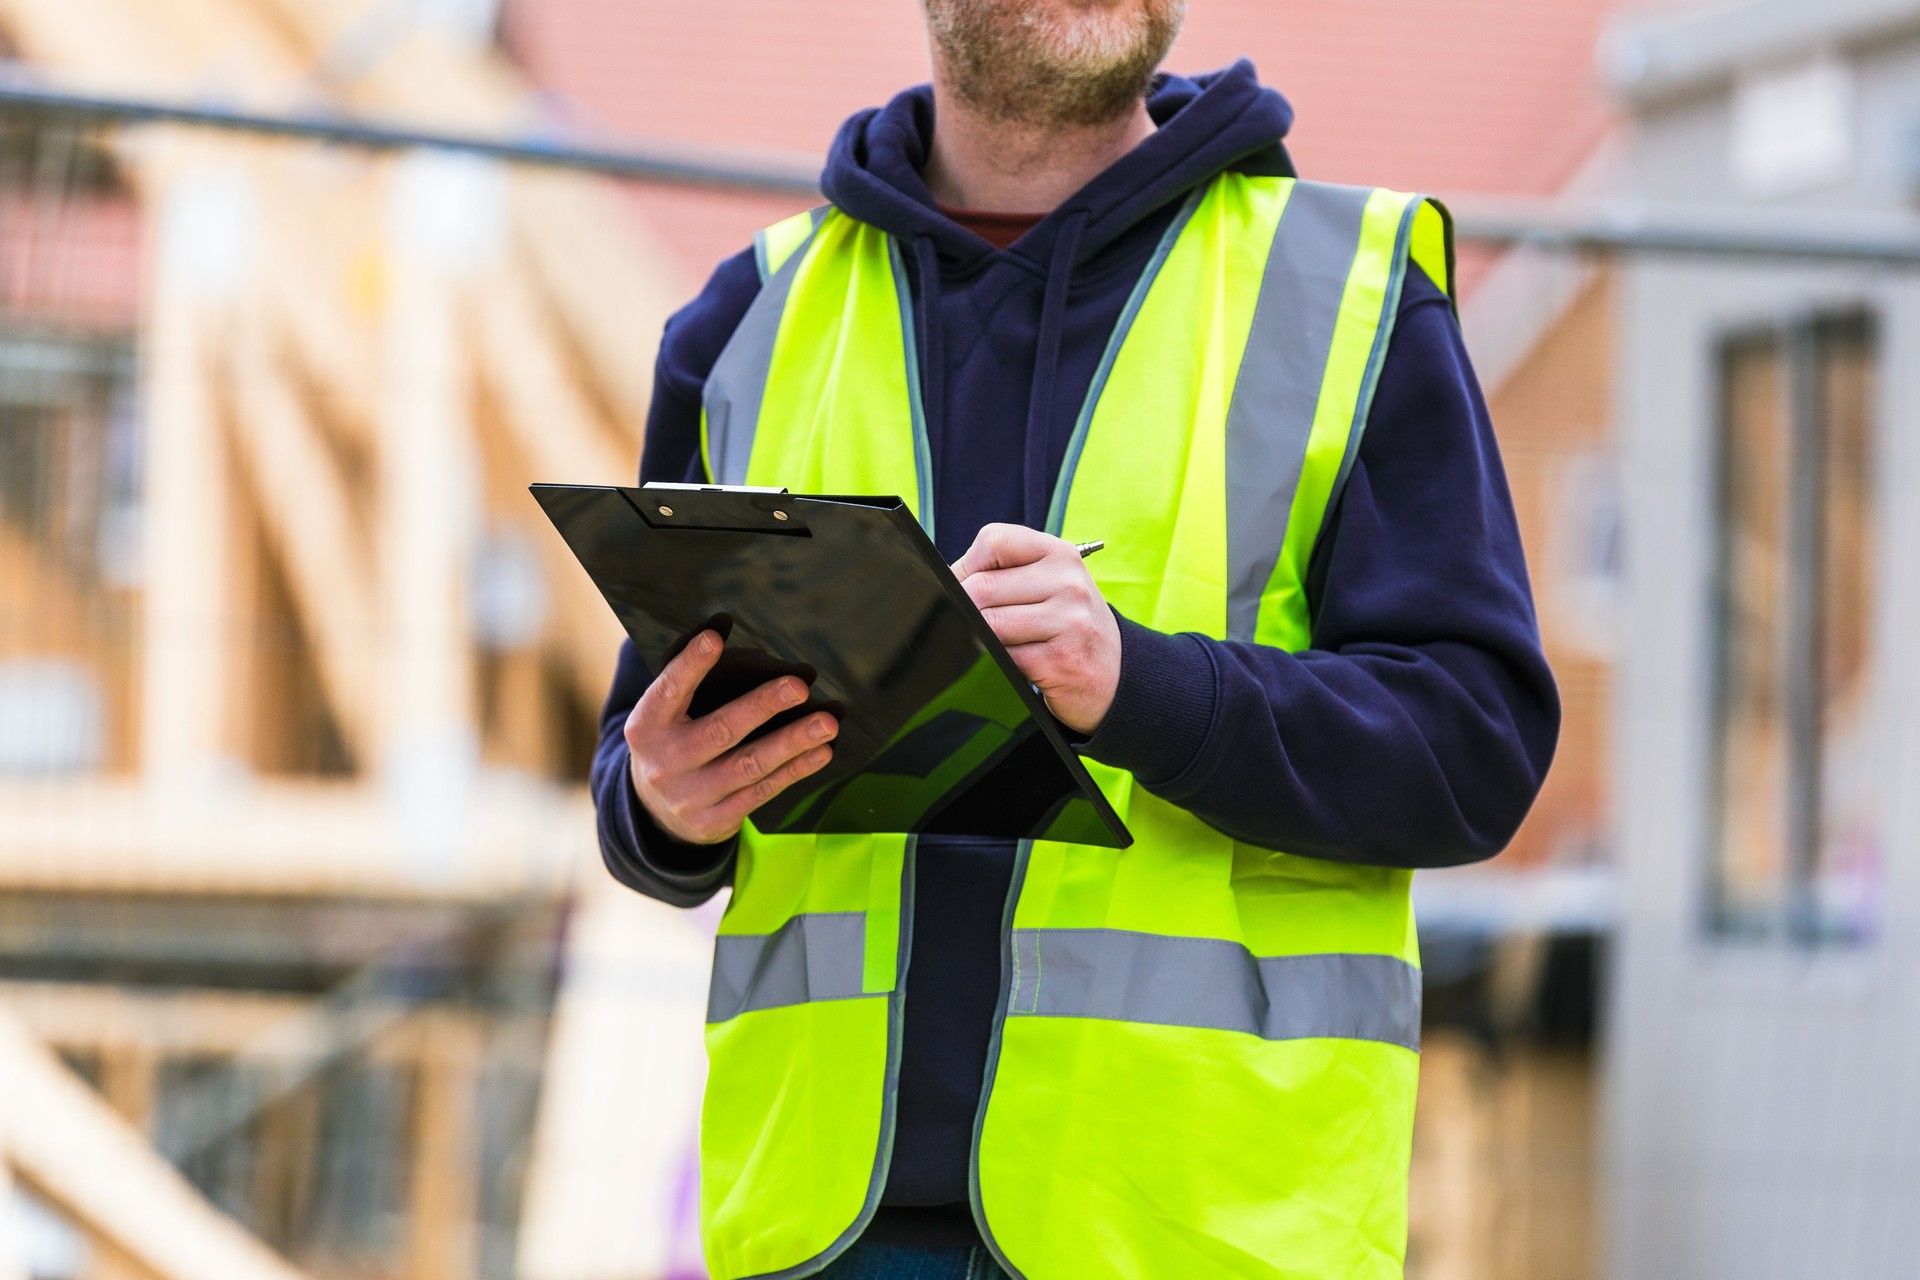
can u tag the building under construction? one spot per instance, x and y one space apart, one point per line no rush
295 687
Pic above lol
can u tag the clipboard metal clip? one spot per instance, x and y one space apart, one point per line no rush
717 507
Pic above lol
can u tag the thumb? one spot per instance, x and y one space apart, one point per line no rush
1002 546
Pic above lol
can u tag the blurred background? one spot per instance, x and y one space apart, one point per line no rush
308 967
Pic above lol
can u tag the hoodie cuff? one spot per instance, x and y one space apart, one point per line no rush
694 868
1163 707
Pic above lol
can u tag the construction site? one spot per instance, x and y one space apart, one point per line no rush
295 694
309 965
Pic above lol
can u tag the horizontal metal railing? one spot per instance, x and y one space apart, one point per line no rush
1617 226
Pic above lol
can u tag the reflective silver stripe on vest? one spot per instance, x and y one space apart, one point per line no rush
810 957
1278 388
1389 308
738 381
1122 976
916 404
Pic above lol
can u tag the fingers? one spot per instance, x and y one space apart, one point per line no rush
1020 624
732 787
735 808
1004 546
1033 659
720 731
1038 600
706 804
666 700
746 767
700 778
1025 584
1070 650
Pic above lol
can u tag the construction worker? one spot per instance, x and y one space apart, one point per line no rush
1057 296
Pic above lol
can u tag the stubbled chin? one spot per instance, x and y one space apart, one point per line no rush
1058 62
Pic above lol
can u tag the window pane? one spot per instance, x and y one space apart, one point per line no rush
1846 863
1750 871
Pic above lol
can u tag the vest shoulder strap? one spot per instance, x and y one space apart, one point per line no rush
1431 243
773 245
1326 313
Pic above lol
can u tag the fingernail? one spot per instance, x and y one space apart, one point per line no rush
822 727
707 642
792 691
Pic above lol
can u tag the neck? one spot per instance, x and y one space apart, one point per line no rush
980 162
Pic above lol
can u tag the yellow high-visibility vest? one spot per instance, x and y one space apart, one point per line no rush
1204 1058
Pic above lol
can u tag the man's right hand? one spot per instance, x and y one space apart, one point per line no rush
694 776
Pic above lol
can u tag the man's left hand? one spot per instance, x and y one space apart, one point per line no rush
1035 592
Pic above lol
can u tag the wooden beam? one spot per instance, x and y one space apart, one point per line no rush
520 726
302 501
428 520
610 284
551 420
1449 1213
252 644
128 1078
184 717
145 1025
64 1142
583 264
443 1193
322 281
13 1258
208 196
324 838
312 236
608 281
553 429
107 1261
149 1025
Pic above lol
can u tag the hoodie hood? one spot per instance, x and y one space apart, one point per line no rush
1207 124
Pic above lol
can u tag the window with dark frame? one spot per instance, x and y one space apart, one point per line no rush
1795 852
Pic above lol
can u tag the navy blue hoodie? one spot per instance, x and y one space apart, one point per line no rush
1414 733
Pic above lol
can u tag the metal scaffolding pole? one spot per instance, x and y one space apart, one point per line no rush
1725 231
774 175
1614 227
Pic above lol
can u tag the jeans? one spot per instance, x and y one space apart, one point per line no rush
913 1262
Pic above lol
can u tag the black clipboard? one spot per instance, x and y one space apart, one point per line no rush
939 732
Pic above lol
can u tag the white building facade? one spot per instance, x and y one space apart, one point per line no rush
1763 1031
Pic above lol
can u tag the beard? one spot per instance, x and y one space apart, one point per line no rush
1049 64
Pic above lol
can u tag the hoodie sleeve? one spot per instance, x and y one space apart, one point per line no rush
638 853
1417 729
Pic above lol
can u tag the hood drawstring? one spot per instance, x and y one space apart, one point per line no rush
1046 364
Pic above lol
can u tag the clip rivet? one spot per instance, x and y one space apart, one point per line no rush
666 511
779 515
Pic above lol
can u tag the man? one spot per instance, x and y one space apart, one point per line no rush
1058 297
